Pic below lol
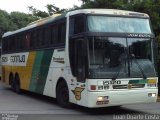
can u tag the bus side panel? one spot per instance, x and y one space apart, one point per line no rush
55 71
35 71
43 72
40 71
24 69
5 74
25 76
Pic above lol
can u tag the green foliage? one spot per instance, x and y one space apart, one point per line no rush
21 19
5 23
52 9
13 21
38 13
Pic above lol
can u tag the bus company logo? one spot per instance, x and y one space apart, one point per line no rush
139 35
129 86
77 92
59 60
14 59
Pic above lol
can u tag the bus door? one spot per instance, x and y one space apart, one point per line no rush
80 67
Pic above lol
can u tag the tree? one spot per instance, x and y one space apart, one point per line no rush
38 13
13 21
51 9
21 19
5 23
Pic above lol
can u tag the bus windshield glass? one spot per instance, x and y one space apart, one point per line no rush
118 24
112 57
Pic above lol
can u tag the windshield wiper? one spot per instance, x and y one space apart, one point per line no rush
140 68
117 74
121 66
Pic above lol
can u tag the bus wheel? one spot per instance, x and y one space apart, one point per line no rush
62 94
17 84
11 82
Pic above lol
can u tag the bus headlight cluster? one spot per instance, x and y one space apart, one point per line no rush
152 95
102 100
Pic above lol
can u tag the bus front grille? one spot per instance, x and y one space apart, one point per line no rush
128 86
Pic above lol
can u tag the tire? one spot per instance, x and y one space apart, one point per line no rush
17 84
11 81
62 95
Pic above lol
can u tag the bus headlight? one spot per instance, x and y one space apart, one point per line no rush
102 100
152 95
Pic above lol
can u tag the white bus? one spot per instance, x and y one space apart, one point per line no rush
89 57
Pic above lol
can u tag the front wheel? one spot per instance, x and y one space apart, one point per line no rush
62 94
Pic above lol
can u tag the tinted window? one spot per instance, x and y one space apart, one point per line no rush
47 36
33 39
27 40
54 39
62 32
77 24
58 33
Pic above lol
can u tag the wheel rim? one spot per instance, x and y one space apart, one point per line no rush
64 94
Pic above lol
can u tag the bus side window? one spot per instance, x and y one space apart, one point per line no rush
9 44
21 43
47 36
12 43
77 24
40 39
54 34
27 41
62 32
33 39
5 45
17 45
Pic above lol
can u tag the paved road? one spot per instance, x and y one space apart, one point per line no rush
28 106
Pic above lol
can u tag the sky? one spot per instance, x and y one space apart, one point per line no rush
21 5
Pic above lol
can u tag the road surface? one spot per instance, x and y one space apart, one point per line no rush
29 106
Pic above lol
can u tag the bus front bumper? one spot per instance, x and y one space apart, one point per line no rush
118 98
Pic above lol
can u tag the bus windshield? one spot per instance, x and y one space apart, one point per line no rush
112 57
118 24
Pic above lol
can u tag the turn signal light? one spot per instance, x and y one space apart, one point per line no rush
93 87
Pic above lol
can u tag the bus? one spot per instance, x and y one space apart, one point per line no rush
88 57
0 64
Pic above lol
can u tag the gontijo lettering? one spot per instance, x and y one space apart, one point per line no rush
14 59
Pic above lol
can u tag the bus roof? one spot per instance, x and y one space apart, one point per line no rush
80 11
36 24
109 12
